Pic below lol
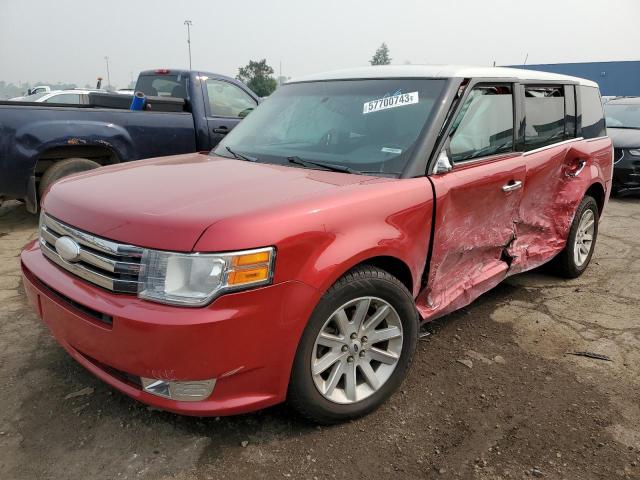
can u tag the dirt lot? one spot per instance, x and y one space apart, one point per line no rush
521 408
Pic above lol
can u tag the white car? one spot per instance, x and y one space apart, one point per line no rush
32 91
73 97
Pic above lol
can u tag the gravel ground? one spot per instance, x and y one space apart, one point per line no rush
493 393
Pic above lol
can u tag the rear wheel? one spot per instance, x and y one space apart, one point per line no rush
577 253
62 169
356 349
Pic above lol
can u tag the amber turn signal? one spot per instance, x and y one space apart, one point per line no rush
249 275
251 259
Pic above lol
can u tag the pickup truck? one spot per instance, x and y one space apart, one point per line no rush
40 142
299 260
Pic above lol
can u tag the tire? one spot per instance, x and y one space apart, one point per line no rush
567 263
372 291
64 168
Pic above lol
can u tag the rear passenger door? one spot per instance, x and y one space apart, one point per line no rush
555 158
226 105
476 202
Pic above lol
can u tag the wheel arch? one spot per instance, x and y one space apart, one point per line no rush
388 262
597 191
104 154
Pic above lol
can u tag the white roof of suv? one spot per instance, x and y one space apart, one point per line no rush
440 71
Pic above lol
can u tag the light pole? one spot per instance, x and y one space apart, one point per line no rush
188 23
108 75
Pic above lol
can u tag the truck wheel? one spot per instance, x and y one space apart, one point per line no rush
574 259
64 168
356 349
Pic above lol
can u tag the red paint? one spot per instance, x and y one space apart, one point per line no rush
322 224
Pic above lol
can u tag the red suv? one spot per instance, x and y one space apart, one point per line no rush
298 260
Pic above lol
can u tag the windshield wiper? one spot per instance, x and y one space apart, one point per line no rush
327 166
240 156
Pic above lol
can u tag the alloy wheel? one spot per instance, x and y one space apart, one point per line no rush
356 350
584 238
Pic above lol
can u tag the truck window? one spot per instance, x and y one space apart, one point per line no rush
544 108
163 86
72 98
228 100
592 115
484 125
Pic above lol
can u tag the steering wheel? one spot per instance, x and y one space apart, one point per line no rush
331 137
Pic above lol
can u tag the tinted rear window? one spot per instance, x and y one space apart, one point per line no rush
545 115
592 115
163 86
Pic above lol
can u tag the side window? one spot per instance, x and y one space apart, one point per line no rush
227 100
592 116
72 98
484 125
544 115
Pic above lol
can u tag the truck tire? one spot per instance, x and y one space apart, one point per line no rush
356 349
573 260
64 168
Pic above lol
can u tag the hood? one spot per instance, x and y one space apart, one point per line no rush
624 137
168 203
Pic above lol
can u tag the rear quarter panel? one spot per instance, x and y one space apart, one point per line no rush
551 199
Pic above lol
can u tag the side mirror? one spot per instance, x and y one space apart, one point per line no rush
443 163
245 112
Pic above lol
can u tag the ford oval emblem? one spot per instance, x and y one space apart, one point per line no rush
68 249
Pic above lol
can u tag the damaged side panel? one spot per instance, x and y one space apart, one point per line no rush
557 179
474 226
483 233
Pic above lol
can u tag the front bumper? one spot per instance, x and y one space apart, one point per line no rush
626 174
246 340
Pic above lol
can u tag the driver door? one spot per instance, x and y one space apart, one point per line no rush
476 202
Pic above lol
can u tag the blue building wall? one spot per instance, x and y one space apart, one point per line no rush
614 78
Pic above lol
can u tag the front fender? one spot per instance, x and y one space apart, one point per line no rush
353 236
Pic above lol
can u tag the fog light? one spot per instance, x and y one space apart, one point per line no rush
183 391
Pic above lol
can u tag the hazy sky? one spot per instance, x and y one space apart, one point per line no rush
67 40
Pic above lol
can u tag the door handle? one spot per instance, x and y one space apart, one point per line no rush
575 173
512 185
222 130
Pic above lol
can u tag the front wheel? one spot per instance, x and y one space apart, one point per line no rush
356 348
577 253
63 168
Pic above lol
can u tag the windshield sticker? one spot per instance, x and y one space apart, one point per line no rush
384 103
395 151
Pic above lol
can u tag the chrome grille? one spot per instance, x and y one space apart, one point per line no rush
105 263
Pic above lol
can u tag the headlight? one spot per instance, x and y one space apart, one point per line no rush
635 152
194 279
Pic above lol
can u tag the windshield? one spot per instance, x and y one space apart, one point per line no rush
622 116
368 126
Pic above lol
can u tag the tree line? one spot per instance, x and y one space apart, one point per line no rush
258 75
